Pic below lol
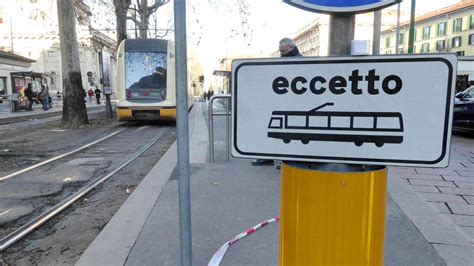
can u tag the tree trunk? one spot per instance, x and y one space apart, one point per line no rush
144 18
74 108
121 9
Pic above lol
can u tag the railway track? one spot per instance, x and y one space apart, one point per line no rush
116 151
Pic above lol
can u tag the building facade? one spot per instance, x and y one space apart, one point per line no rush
449 29
313 39
30 28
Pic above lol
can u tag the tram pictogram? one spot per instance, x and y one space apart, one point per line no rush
339 126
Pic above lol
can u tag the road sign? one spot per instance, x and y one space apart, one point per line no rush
341 6
386 110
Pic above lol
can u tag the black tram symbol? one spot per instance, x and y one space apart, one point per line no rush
340 126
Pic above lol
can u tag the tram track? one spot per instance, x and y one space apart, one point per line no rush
32 224
11 175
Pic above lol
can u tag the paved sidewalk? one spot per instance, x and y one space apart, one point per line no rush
228 198
38 113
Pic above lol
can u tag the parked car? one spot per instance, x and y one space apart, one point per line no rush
463 115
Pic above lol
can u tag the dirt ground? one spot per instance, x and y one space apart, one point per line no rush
62 240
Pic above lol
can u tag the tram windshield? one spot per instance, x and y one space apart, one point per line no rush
145 76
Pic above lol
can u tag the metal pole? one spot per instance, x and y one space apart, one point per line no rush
376 36
411 37
182 132
211 130
397 38
11 34
341 34
227 130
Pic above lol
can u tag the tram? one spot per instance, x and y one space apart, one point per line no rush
146 80
357 127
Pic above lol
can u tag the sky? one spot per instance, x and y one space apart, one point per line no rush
215 28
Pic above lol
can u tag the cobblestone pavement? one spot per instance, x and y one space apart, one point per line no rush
449 190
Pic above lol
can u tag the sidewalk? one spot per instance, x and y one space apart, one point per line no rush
229 198
38 113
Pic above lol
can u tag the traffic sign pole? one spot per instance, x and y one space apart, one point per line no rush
333 214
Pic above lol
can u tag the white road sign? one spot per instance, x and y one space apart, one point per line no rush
386 110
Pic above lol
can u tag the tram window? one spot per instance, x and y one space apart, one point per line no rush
318 121
296 121
275 122
363 122
388 123
145 70
341 121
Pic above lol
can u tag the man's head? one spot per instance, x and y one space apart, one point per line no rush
286 45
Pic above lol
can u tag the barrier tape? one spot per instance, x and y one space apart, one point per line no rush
219 254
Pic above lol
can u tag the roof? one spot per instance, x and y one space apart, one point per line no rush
15 57
439 12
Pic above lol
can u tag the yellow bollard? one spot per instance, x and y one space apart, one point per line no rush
332 218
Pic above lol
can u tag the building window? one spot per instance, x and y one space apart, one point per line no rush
460 53
400 38
471 39
440 45
387 42
471 22
456 42
457 25
426 32
50 53
425 48
441 29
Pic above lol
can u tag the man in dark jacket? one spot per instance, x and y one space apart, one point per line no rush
29 94
97 95
287 48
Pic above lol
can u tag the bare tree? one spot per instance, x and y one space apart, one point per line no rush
121 9
74 108
142 13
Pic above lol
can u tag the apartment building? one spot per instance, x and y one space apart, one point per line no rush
29 28
449 29
313 39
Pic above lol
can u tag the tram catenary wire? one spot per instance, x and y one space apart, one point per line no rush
3 178
24 230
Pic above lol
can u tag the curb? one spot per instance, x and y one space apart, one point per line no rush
115 242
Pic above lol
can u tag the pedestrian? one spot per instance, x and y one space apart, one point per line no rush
287 48
204 96
44 94
50 99
97 95
29 94
90 93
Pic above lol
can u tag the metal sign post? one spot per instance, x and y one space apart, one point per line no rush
320 117
182 134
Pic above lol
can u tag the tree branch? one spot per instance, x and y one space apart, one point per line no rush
158 3
133 19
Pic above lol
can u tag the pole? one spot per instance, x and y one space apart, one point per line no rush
341 34
332 214
376 36
11 34
411 37
397 38
182 132
135 23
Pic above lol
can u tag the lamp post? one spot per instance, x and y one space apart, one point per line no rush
411 38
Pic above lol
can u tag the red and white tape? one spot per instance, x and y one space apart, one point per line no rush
219 254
